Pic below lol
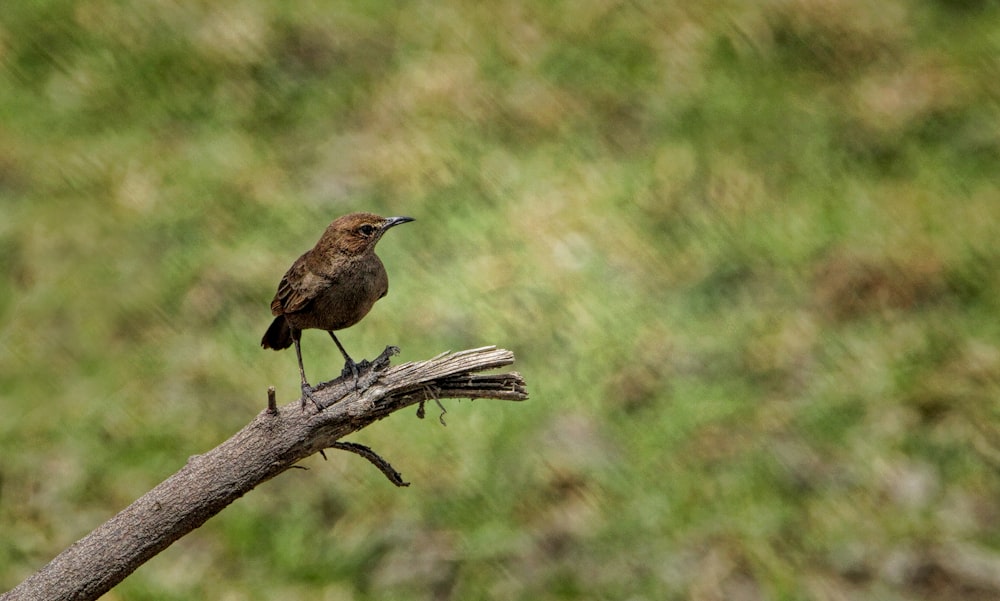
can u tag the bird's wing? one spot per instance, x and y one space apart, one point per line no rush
297 289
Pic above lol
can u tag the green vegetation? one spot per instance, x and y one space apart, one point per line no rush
746 253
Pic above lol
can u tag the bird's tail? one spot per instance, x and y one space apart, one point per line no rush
278 335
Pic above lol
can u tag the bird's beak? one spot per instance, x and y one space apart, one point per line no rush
392 221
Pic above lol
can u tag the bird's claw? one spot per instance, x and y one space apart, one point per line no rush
352 369
307 393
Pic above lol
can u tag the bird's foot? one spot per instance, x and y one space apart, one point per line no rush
354 370
307 393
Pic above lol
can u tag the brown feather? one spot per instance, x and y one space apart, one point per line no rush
334 285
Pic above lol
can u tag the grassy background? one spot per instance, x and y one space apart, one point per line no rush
746 254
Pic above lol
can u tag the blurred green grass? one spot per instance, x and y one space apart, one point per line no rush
746 255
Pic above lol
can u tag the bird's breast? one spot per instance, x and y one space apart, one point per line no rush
351 292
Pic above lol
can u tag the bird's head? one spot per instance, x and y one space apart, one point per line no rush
358 233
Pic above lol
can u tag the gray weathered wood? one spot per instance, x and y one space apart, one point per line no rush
267 446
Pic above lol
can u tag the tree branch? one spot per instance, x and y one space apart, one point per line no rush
270 444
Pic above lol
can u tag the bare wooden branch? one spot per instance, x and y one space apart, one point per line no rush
366 452
267 446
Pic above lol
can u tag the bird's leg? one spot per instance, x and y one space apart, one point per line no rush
349 363
307 390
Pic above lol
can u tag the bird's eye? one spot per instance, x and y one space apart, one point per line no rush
367 230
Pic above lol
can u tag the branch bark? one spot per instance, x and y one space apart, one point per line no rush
270 444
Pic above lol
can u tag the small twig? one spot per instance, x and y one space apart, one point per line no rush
366 452
272 402
433 395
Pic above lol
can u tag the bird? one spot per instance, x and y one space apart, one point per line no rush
330 287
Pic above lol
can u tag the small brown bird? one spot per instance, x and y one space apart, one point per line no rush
332 286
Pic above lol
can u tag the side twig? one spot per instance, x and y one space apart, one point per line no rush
366 452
